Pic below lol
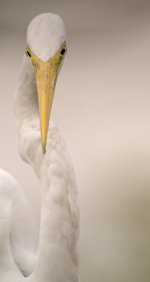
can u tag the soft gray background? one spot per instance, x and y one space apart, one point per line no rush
102 106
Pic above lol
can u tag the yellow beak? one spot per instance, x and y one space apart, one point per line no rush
46 75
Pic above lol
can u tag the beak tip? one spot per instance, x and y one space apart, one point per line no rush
43 149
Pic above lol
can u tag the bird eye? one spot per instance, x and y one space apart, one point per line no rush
63 51
28 53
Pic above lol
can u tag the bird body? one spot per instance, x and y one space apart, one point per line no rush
8 187
16 252
56 258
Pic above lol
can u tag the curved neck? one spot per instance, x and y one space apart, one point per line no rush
58 259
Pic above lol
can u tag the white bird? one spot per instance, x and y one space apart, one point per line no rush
41 146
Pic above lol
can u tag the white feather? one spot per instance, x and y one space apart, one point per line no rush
57 258
45 35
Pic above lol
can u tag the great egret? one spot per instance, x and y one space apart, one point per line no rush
57 256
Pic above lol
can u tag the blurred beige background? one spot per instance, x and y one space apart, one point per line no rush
102 107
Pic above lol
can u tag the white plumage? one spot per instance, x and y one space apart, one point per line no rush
57 256
48 34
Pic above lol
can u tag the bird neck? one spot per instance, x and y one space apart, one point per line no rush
27 117
26 105
58 257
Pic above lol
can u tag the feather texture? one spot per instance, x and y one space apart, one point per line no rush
59 216
57 256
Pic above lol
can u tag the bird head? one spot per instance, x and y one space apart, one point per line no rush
46 47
